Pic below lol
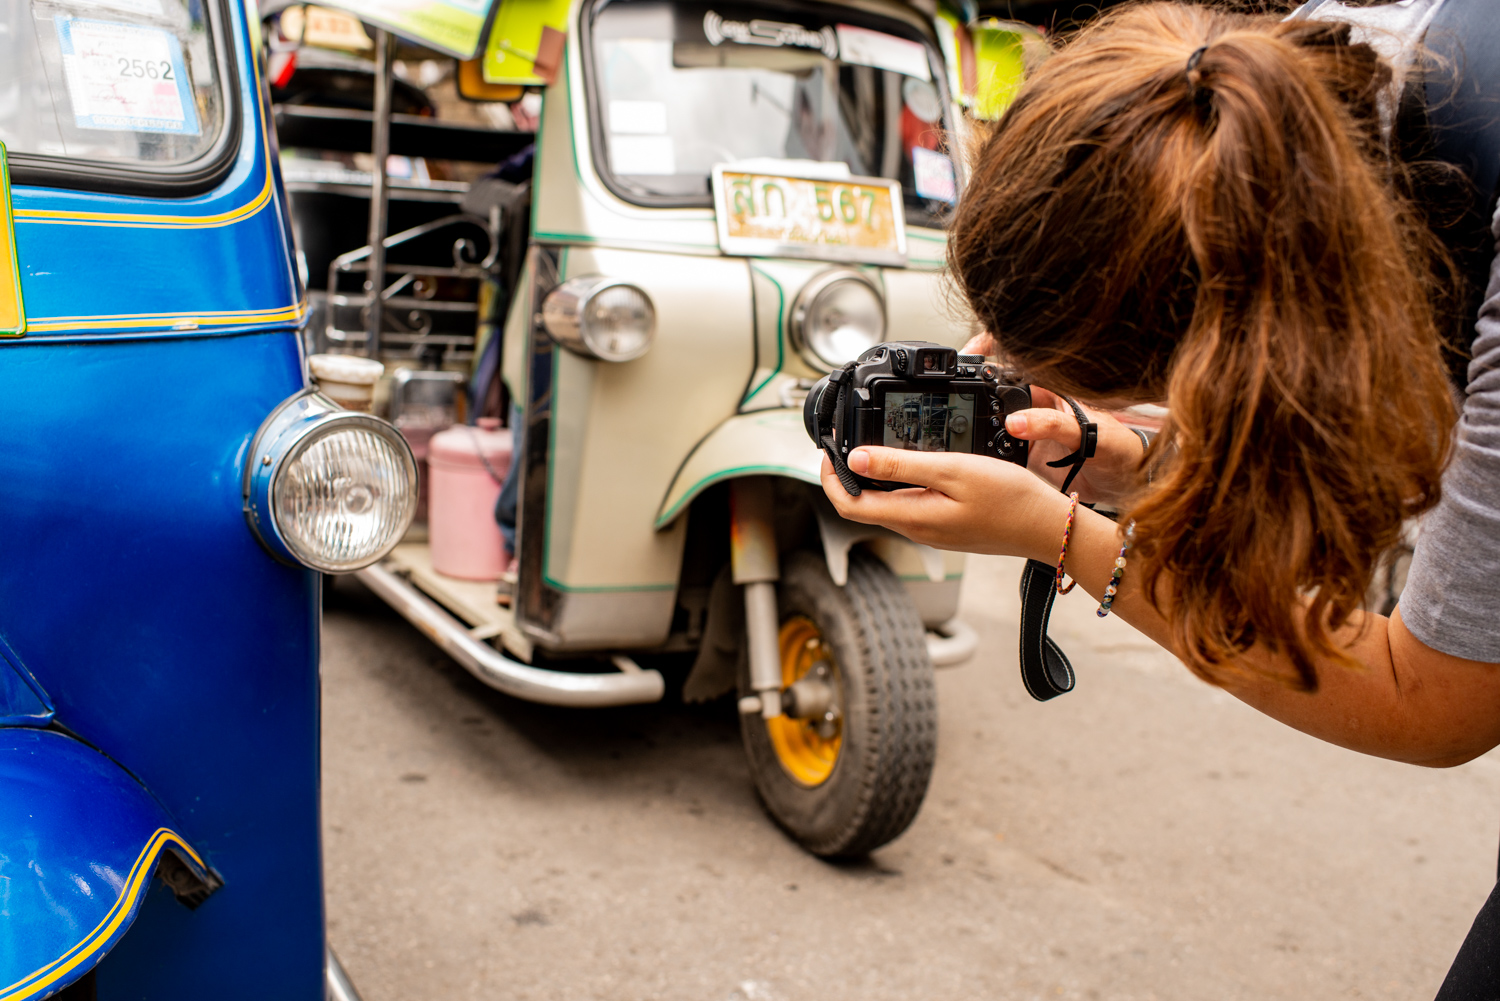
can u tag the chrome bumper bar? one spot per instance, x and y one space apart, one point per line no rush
630 686
337 981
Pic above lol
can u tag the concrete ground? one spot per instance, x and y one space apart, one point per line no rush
1143 837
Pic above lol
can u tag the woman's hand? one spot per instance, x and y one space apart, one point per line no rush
1053 432
972 503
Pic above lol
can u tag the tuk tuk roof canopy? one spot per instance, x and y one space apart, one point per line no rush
453 27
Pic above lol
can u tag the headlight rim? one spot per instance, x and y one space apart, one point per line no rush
564 308
294 426
809 294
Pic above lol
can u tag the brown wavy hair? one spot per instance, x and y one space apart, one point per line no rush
1221 230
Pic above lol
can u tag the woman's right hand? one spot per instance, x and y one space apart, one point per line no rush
1053 432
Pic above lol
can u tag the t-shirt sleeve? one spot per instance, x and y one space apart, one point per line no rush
1452 597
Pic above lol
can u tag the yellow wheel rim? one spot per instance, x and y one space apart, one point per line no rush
807 749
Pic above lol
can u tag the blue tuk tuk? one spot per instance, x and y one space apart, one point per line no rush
173 492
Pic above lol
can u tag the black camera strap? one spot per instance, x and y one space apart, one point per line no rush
831 414
1045 669
1088 444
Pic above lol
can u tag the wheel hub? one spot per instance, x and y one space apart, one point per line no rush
807 737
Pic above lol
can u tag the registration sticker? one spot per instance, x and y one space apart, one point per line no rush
126 77
12 316
859 220
934 175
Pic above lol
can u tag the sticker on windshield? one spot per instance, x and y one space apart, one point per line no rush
776 34
884 52
125 77
934 175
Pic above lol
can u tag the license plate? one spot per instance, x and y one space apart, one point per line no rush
12 316
858 220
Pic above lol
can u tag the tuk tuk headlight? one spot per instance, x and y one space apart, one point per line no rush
836 317
328 488
600 318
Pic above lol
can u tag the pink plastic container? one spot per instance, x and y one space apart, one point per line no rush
466 542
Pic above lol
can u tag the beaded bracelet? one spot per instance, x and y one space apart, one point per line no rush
1067 531
1113 587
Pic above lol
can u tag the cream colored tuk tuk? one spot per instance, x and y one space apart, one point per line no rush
730 200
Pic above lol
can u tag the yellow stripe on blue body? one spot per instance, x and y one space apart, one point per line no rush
113 925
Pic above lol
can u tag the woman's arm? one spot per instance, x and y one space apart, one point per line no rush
1403 700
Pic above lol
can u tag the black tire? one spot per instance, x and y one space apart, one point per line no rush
889 710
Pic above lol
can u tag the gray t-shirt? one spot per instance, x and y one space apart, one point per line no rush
1452 596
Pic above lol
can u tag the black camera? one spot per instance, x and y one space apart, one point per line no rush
914 395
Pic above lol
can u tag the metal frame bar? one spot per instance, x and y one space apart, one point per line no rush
380 147
631 686
339 986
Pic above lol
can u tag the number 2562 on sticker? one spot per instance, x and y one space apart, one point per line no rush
126 77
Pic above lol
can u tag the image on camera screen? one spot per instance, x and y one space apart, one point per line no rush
929 422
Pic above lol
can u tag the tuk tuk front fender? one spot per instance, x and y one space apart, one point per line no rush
760 443
79 842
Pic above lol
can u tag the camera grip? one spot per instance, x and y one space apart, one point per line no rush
1045 669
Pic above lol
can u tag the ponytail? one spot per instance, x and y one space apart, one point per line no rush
1224 237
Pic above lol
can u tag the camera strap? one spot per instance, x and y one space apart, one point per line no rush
831 414
1088 444
1045 669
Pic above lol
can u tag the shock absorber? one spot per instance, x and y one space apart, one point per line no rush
753 562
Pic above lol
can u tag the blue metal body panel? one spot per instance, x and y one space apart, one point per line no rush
167 637
22 700
160 334
79 840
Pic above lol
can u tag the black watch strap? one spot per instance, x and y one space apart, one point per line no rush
1045 669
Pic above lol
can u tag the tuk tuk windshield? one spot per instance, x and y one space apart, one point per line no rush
127 82
683 86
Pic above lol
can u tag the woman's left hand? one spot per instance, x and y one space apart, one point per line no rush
972 503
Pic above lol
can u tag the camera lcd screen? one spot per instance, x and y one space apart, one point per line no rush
929 422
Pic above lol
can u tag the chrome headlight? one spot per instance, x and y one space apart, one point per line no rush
327 488
836 317
600 318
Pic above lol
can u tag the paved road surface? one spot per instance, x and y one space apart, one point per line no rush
1143 837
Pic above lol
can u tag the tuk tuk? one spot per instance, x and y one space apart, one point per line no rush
173 492
728 200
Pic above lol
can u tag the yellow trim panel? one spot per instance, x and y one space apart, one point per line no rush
12 309
168 321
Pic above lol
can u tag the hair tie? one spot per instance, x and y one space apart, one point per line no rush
1192 76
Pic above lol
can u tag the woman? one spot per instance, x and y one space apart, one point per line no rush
1195 208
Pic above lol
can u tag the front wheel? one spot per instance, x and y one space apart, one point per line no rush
851 778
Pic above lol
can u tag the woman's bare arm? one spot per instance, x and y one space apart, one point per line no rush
1403 700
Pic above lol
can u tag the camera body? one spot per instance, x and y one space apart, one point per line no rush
913 395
